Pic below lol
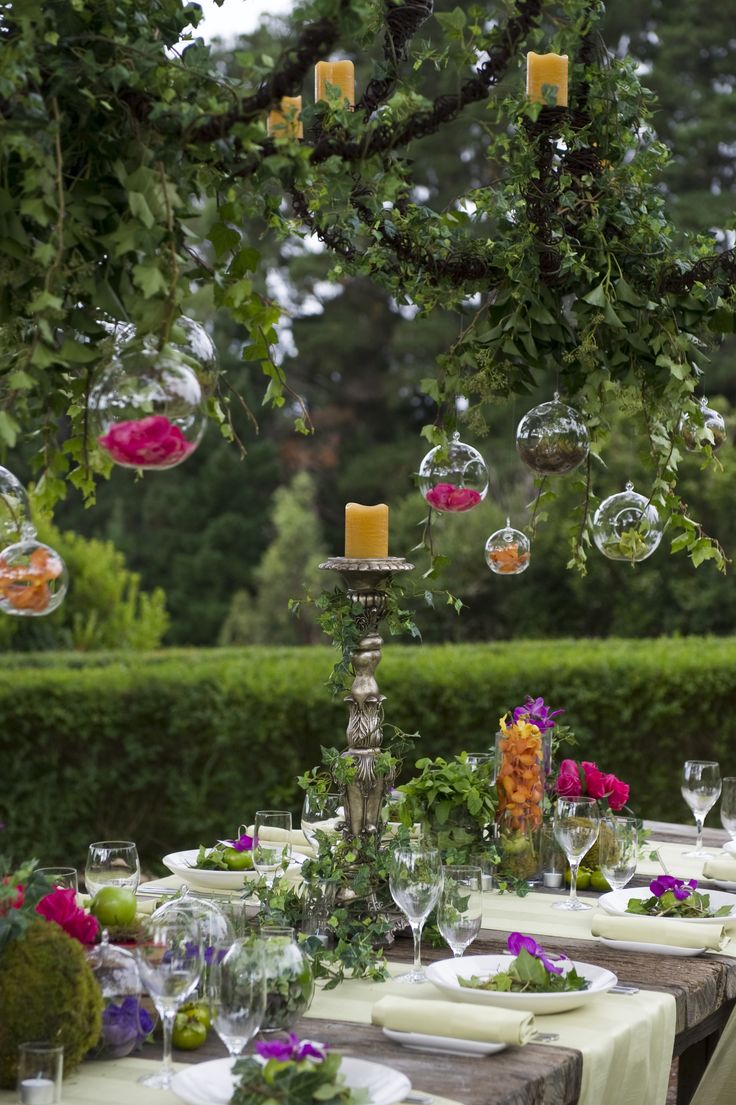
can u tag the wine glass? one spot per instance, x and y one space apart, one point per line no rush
460 907
485 762
320 813
112 863
415 881
237 992
271 842
701 786
576 823
170 960
61 878
728 806
618 845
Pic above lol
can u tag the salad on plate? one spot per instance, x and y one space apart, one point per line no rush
533 971
227 855
673 897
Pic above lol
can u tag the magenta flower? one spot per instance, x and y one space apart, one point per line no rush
535 711
60 907
291 1049
150 442
681 889
568 781
616 792
448 497
595 787
517 941
244 843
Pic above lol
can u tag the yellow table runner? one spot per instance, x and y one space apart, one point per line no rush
676 862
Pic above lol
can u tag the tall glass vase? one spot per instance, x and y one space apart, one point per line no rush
523 761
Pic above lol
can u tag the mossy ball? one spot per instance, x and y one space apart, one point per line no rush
47 992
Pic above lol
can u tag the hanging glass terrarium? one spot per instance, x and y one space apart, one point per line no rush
33 579
626 526
146 408
508 551
197 350
552 439
15 510
706 427
453 478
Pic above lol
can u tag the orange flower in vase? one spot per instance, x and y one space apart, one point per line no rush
31 579
509 560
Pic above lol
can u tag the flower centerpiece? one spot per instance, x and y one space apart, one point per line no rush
673 897
293 1072
585 779
532 971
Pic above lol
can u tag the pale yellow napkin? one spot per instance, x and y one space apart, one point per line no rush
722 868
455 1020
295 837
658 930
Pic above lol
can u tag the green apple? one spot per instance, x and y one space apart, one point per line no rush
238 861
114 906
189 1032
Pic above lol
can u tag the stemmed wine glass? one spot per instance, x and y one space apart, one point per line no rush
112 863
575 825
728 806
271 842
237 992
618 845
320 813
701 786
415 881
460 908
169 957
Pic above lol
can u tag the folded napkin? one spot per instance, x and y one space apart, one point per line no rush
722 868
455 1020
295 837
659 930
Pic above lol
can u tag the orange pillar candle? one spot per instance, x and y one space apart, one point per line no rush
338 73
550 69
286 120
366 531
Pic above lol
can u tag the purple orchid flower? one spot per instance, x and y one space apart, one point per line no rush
535 711
124 1027
244 843
291 1049
681 889
517 941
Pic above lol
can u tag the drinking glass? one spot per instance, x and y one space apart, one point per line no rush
271 842
237 993
170 960
576 823
460 908
618 845
484 760
415 881
701 786
320 813
61 878
728 806
112 863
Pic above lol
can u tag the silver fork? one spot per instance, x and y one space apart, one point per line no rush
618 989
545 1037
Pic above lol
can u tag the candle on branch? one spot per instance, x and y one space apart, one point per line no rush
549 70
340 74
285 121
366 531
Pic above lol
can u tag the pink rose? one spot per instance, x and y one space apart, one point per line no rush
150 442
448 497
616 792
60 907
595 786
20 897
568 780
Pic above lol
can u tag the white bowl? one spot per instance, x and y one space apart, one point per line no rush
445 973
182 864
616 902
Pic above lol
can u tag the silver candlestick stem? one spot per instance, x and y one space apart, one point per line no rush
366 582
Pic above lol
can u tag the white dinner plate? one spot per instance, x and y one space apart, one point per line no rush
616 901
182 864
730 846
652 949
213 1083
722 885
445 972
417 1041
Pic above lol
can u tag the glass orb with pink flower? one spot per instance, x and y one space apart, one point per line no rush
453 478
146 408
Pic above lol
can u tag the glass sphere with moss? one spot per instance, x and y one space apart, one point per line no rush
626 526
552 439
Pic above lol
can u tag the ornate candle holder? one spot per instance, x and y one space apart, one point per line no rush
366 582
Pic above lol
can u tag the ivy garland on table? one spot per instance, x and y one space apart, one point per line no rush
114 135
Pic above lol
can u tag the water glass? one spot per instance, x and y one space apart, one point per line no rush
701 786
271 842
321 813
40 1069
319 904
460 907
576 824
237 993
170 959
61 878
112 863
485 762
618 846
415 881
728 806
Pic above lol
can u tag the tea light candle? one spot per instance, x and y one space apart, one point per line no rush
366 531
552 878
37 1091
548 69
339 73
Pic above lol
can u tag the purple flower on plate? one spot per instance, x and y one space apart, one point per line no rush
517 941
291 1049
244 843
681 889
535 711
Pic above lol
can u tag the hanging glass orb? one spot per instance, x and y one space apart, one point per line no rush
552 439
33 579
453 478
626 526
198 351
147 407
508 551
15 510
693 428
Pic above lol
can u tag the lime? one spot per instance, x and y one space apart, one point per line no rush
598 881
114 906
189 1032
238 861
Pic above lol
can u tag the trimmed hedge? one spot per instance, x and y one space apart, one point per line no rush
178 747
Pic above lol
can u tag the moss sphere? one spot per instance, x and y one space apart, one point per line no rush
47 992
